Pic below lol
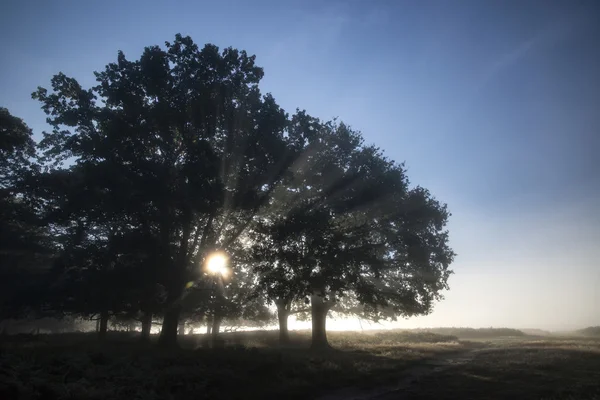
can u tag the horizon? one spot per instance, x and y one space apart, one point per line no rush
334 325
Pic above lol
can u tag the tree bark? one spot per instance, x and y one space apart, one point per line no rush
319 309
208 324
103 325
282 315
146 326
216 326
168 333
217 341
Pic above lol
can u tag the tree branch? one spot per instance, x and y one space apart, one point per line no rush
206 230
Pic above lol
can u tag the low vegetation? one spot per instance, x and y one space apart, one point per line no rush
557 368
253 365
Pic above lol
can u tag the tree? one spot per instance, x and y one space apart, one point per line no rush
352 230
291 236
271 256
25 248
97 248
177 154
193 149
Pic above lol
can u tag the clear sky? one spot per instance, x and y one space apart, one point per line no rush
494 106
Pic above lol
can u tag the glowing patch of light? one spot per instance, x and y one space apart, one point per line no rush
216 264
334 324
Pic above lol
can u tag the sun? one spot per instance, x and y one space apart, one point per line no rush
216 264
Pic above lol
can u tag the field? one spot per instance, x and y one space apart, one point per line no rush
385 365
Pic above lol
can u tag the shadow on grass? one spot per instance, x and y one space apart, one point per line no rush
252 365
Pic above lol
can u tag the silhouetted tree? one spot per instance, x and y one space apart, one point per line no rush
177 154
190 148
25 247
98 247
348 226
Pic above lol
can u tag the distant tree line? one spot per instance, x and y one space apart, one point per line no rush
178 155
590 331
474 333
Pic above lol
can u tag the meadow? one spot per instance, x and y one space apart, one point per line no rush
382 365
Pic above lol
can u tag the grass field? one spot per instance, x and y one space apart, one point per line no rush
524 368
386 365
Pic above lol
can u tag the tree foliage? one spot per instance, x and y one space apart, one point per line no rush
347 231
181 145
25 247
177 154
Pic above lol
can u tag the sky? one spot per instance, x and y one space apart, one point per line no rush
493 105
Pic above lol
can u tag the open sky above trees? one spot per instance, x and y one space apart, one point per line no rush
499 123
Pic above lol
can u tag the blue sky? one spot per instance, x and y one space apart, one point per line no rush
493 105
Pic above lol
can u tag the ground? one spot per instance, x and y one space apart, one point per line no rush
392 365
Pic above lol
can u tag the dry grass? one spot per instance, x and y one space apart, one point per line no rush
74 366
540 369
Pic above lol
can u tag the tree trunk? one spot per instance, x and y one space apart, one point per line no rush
217 341
208 324
216 326
181 328
103 325
168 333
282 316
146 326
319 311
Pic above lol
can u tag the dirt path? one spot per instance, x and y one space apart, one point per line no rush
409 376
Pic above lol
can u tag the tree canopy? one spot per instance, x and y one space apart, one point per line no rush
348 231
24 242
177 154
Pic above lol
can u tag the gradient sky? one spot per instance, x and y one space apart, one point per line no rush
493 105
